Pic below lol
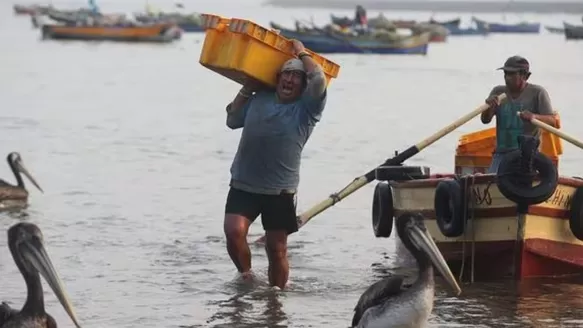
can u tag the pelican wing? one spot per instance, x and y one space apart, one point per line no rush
375 294
8 191
6 313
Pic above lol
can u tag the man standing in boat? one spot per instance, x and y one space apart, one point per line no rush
530 100
360 23
265 171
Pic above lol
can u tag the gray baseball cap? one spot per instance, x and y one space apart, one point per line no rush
293 64
516 64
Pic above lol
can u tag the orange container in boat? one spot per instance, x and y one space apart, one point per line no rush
474 150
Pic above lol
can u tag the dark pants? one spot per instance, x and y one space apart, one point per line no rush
278 212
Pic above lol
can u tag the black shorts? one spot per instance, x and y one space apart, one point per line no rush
278 212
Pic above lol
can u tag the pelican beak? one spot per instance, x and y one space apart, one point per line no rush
25 171
36 254
424 242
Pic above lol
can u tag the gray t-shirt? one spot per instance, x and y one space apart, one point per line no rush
509 126
274 134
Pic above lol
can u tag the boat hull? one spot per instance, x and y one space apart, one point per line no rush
497 241
322 43
574 32
467 31
154 33
555 30
528 28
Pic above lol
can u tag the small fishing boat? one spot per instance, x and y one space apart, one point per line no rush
523 27
513 224
453 23
25 241
374 22
161 33
555 30
31 10
573 32
72 17
382 42
438 33
15 197
187 23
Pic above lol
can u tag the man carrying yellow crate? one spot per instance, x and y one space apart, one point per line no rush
265 171
531 100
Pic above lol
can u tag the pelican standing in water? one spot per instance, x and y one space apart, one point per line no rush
15 197
26 245
389 304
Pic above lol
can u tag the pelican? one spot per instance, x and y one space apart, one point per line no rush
16 196
25 241
390 304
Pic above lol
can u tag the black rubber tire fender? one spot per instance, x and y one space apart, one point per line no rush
527 195
383 211
449 209
576 214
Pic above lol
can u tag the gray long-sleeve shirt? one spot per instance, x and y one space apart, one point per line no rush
273 137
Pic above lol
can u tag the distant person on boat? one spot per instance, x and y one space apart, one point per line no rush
531 100
360 20
266 169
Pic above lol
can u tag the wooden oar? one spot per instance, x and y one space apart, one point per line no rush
397 160
556 132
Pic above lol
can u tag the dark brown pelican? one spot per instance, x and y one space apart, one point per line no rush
15 196
388 303
25 241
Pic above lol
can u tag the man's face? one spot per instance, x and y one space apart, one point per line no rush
290 85
514 80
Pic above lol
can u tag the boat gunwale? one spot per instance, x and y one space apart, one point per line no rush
478 178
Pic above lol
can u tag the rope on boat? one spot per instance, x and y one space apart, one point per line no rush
469 214
473 218
465 206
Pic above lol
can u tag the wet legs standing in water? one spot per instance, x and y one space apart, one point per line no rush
236 228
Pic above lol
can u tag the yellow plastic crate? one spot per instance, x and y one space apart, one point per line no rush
484 141
240 49
475 149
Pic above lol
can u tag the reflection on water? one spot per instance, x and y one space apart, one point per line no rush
549 302
253 305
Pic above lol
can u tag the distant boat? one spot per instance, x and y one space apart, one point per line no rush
573 32
165 32
523 27
188 23
555 30
322 41
453 23
569 25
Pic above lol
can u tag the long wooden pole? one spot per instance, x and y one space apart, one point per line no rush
557 132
